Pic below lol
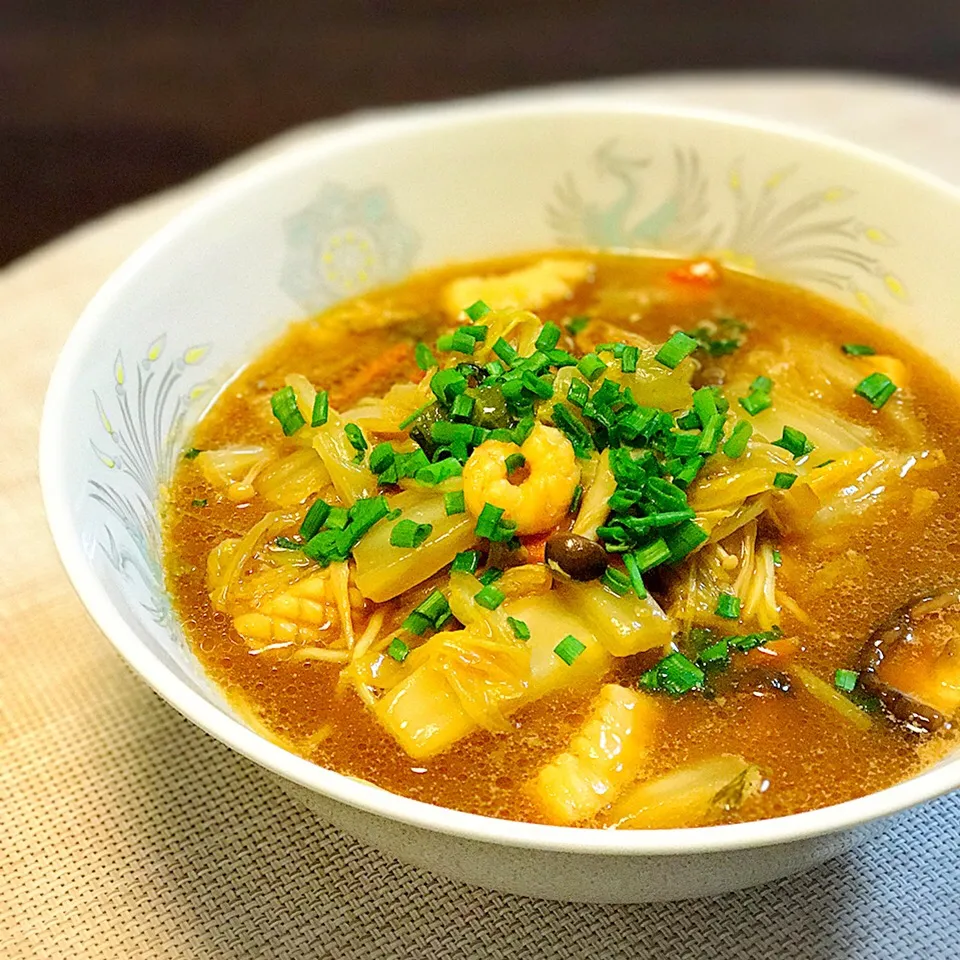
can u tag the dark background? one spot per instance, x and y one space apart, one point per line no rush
102 101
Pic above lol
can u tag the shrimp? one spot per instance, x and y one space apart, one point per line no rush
541 500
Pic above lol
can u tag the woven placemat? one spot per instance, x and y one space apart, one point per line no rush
126 832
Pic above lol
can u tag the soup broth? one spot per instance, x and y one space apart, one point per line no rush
740 687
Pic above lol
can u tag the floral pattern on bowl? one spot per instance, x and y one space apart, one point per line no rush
807 237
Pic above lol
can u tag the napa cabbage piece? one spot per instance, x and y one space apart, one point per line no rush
353 481
595 508
602 759
624 625
726 484
694 795
834 494
529 288
234 469
293 479
484 670
740 564
384 571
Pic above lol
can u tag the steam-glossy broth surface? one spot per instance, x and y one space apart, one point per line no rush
808 755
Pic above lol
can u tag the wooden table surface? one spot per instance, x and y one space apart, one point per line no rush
102 102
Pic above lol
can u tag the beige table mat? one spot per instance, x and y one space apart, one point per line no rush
126 832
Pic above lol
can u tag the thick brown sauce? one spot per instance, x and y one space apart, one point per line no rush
810 756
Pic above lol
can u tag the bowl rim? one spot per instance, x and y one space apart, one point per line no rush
342 137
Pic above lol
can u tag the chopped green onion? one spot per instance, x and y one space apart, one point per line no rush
476 310
591 366
462 407
285 409
762 384
616 581
577 324
490 597
710 438
505 352
684 539
877 389
398 650
466 562
755 402
454 503
845 680
795 442
628 362
677 348
549 337
716 655
675 675
315 518
573 430
459 341
192 453
705 406
200 502
409 534
424 356
728 606
382 457
520 630
488 521
858 350
447 384
435 608
321 409
578 393
523 430
355 435
777 558
739 438
648 557
435 473
784 481
337 518
478 333
568 649
576 499
542 389
490 575
285 543
415 415
514 462
752 640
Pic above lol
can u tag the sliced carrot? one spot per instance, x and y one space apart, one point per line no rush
697 273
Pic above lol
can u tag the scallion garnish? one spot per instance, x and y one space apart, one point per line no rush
568 649
736 445
398 650
648 557
424 356
519 627
795 442
454 503
677 348
466 562
515 462
728 606
408 534
784 481
715 655
488 521
615 581
755 402
285 409
549 337
777 558
674 675
315 518
876 389
476 310
357 440
505 352
200 502
858 350
490 597
845 680
321 409
629 358
192 453
763 384
591 366
285 543
576 499
577 324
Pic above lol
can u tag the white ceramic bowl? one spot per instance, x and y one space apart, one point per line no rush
368 203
